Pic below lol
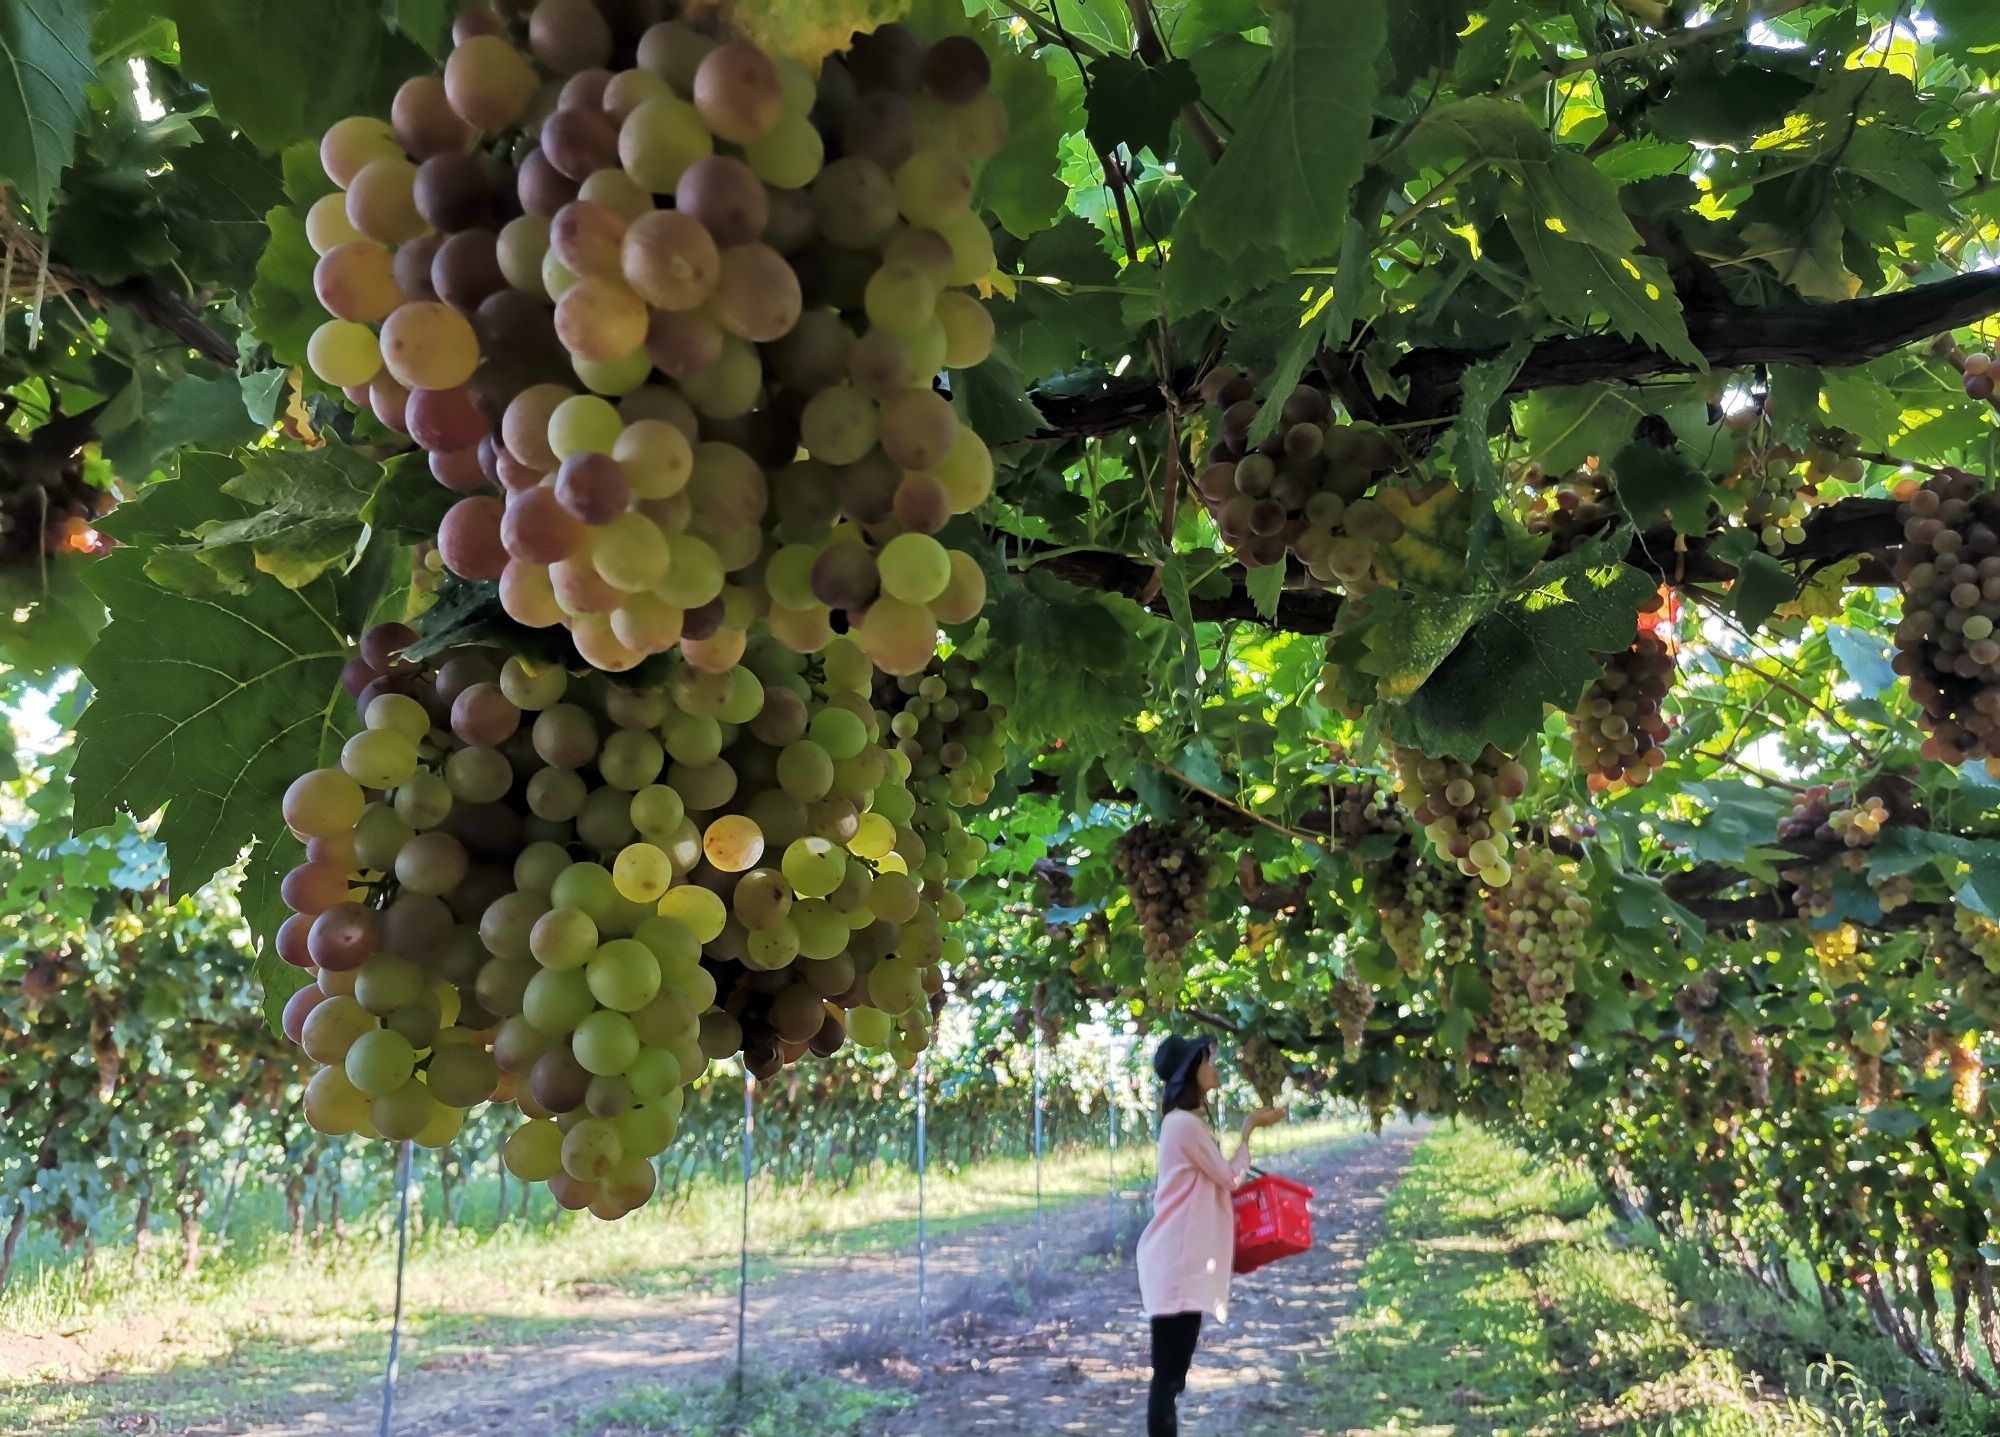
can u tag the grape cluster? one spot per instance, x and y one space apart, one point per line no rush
1568 508
1408 891
1466 809
1360 804
41 517
666 312
1698 1003
1618 730
1838 950
1967 1086
1947 647
1833 813
1754 1055
1773 487
1167 872
1537 928
1264 1068
1352 1001
1304 488
571 895
953 736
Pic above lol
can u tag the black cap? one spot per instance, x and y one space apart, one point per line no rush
1175 1059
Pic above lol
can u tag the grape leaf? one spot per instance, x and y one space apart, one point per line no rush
1535 649
1576 281
284 311
1654 483
196 412
1022 187
1266 585
279 71
1134 104
1048 326
215 199
992 400
204 711
1299 146
45 70
1864 658
1564 427
270 858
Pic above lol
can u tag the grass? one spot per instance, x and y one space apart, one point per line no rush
261 1339
1503 1300
784 1404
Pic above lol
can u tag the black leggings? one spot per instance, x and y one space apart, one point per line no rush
1173 1349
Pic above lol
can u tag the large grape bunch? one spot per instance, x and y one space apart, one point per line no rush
1537 929
1772 488
1618 730
1409 890
1352 999
47 502
1466 809
1568 508
1167 872
1305 488
1360 803
1949 569
571 894
1835 813
1264 1068
667 313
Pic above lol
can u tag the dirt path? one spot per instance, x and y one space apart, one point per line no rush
1016 1347
1081 1362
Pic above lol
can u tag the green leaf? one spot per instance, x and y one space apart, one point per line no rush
992 400
1762 584
45 69
271 857
1299 147
1965 27
1174 585
1265 585
194 413
280 71
284 311
1864 658
427 22
1134 104
1654 483
204 711
215 198
1579 281
263 392
1022 187
1564 427
1536 649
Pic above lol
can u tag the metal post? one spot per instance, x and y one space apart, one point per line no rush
403 1160
1038 1138
743 1253
1111 1155
923 1292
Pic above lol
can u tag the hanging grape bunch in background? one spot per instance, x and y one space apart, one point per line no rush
666 312
1167 872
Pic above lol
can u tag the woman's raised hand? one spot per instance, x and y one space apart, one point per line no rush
1265 1118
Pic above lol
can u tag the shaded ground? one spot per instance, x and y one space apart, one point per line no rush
1017 1346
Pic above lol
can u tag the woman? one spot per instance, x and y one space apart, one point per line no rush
1186 1251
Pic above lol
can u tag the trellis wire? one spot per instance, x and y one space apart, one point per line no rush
403 1160
1038 1138
743 1250
923 1291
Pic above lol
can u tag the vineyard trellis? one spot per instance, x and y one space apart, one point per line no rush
1451 540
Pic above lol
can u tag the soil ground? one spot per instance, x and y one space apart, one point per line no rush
1018 1344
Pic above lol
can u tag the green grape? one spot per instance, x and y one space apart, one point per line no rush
642 872
531 686
630 760
556 794
788 155
590 1150
583 424
919 430
557 999
814 867
533 1151
563 938
654 1074
967 330
694 572
901 299
605 1043
899 637
333 1105
933 187
379 1061
605 824
805 770
700 910
325 803
914 567
478 775
398 713
462 1075
624 975
656 811
588 886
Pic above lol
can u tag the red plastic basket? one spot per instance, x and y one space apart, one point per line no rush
1272 1221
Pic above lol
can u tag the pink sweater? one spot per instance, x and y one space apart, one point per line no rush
1186 1251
